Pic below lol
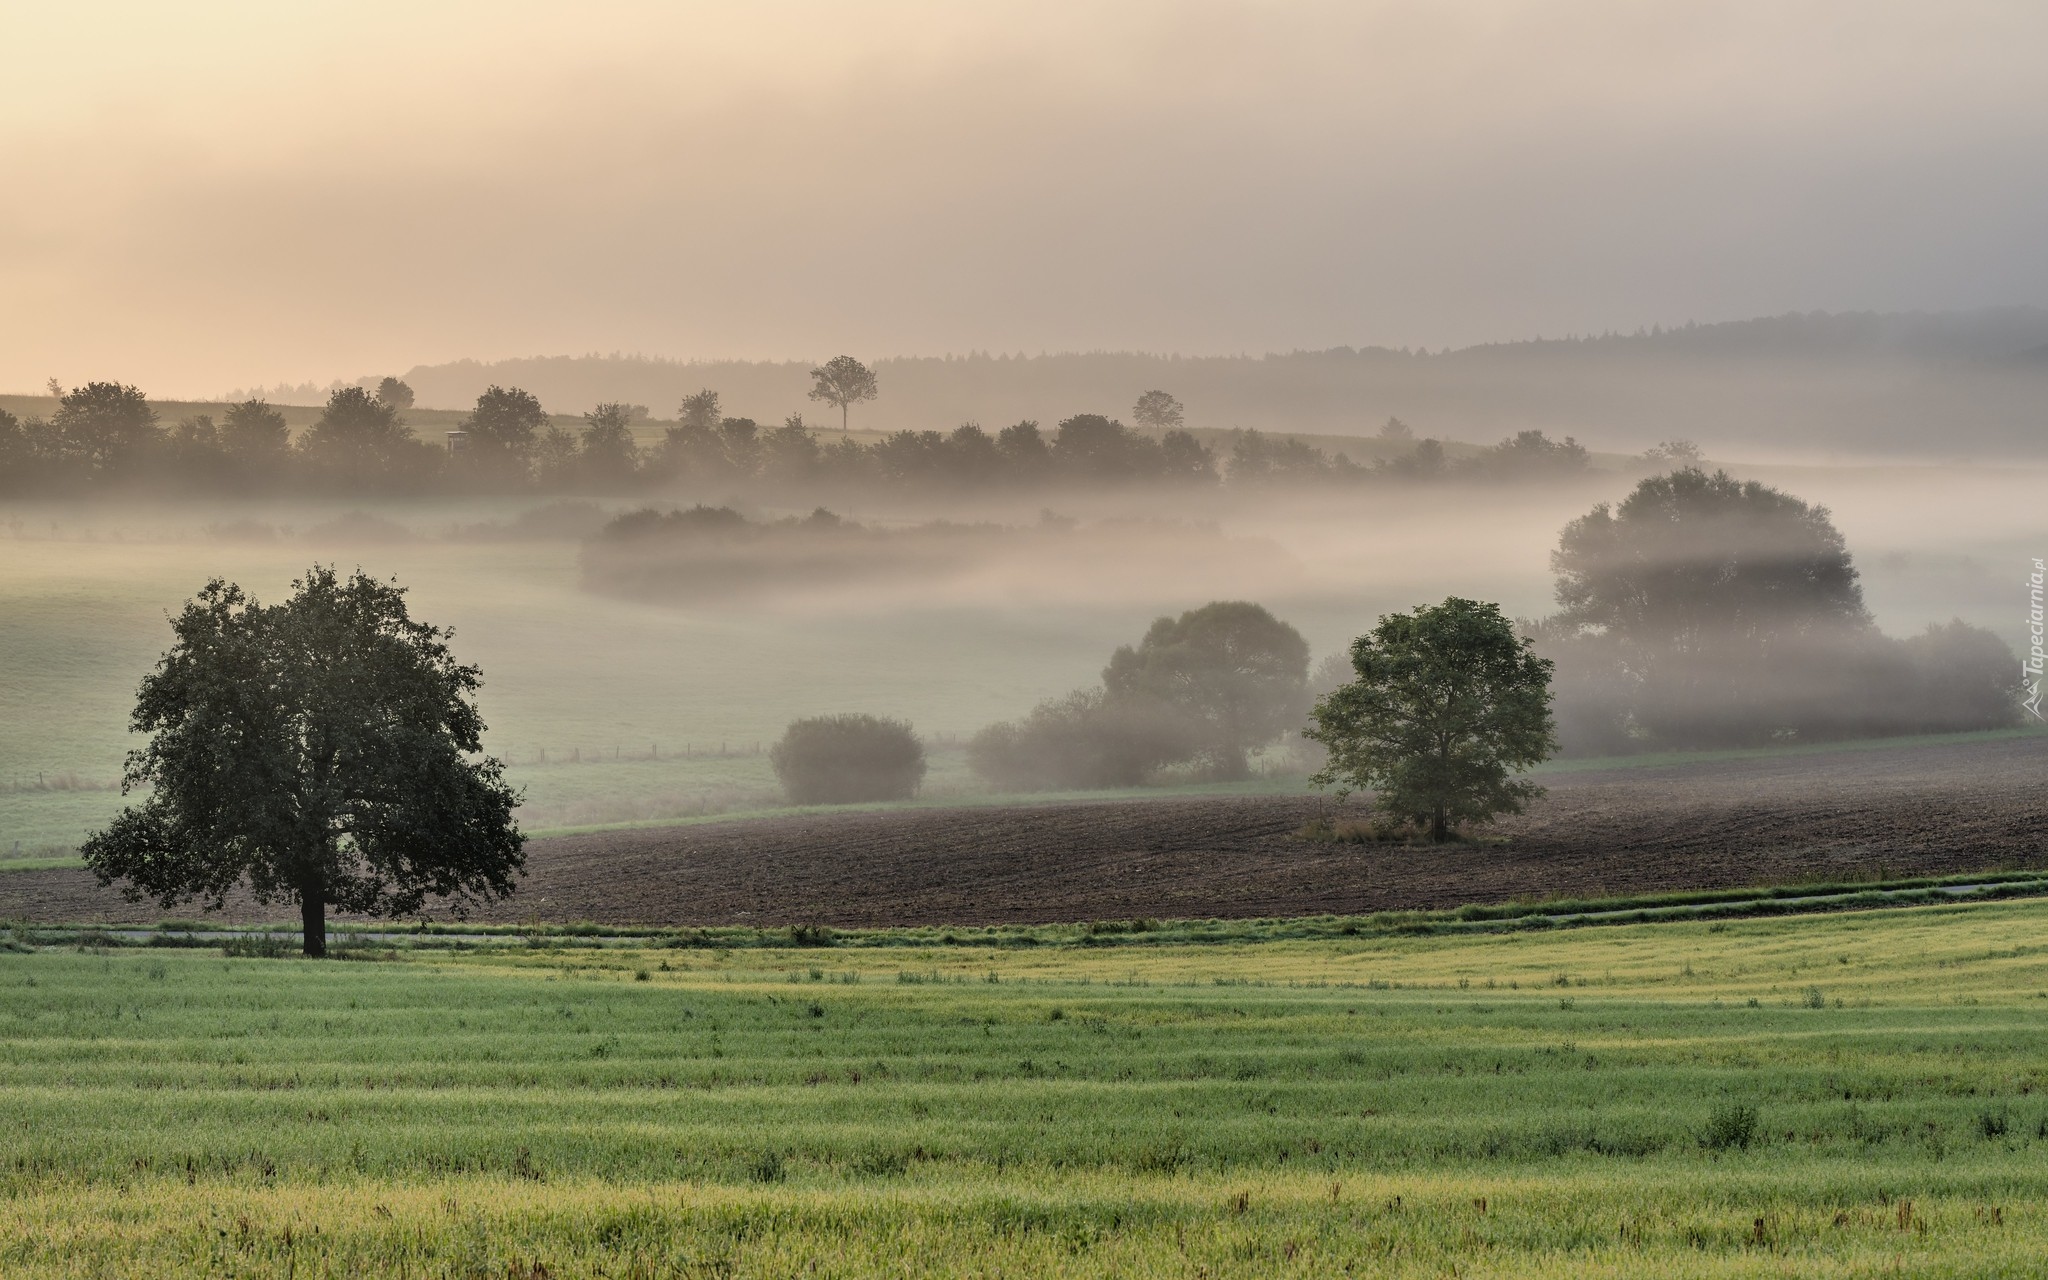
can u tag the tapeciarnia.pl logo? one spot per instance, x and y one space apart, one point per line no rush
2037 657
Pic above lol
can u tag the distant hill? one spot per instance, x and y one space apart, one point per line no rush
1952 384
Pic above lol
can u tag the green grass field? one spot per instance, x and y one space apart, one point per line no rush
1843 1095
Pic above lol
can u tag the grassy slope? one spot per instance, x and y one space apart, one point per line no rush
1520 1104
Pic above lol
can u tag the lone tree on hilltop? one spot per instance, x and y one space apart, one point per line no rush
321 750
847 759
1158 411
1447 706
1234 671
843 382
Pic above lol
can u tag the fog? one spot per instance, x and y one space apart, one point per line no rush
619 704
1485 219
223 193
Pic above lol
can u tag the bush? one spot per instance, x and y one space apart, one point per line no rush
1731 1127
1082 741
847 759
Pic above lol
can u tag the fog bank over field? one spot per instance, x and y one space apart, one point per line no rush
1814 386
952 609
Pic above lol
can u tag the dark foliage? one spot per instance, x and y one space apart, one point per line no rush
317 751
843 382
1448 704
361 443
1232 672
1202 689
1707 611
106 435
1084 741
847 759
704 552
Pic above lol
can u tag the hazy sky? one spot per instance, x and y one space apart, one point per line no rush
211 193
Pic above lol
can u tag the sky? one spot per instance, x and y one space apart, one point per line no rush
222 193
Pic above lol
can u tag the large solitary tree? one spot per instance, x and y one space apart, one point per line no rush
842 382
324 751
1447 705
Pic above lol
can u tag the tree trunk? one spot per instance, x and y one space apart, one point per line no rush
842 419
1439 826
313 915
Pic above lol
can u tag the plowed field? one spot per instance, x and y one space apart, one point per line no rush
1902 810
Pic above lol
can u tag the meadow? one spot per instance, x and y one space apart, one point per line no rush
1815 1096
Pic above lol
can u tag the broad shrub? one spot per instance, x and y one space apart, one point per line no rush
1082 741
847 759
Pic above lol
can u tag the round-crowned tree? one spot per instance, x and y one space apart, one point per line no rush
1448 704
1726 609
847 759
1234 671
325 750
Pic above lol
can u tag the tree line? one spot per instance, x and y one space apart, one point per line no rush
107 436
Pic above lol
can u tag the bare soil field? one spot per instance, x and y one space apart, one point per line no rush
1897 811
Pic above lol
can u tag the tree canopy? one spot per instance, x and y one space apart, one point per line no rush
1234 671
1712 594
255 434
105 426
105 437
358 439
1691 560
609 452
504 427
843 382
395 393
847 759
699 411
1158 411
320 751
1708 611
1448 704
